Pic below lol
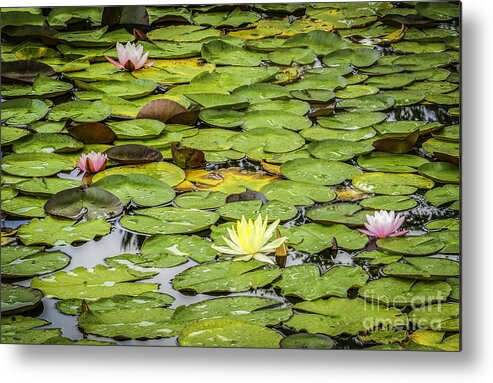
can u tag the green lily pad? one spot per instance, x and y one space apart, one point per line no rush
141 323
24 206
379 257
23 111
191 246
160 261
90 203
48 143
46 186
251 209
336 316
57 232
42 87
448 133
446 223
360 57
390 162
391 81
318 171
433 87
141 189
18 329
405 292
423 267
149 300
372 103
95 283
451 239
126 89
226 332
216 100
23 261
47 127
391 183
313 95
443 172
222 53
354 91
201 200
343 213
182 33
455 284
274 140
11 134
291 55
256 310
320 42
308 341
292 106
17 299
351 121
163 171
80 111
168 220
404 128
314 81
225 276
338 150
386 337
262 92
434 145
405 97
235 18
439 12
141 128
274 119
423 61
297 193
442 195
433 341
438 317
321 134
35 164
411 245
383 202
210 139
304 281
314 237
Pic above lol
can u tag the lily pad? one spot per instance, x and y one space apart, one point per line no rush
304 281
339 150
222 53
11 134
35 164
191 246
433 340
389 162
163 171
149 300
258 310
133 154
47 143
90 203
318 171
92 133
351 121
17 299
411 245
372 103
154 261
297 193
396 203
336 316
405 292
434 145
56 232
391 183
361 57
80 111
250 209
423 268
225 276
24 206
22 261
442 195
21 111
18 329
308 341
168 220
226 332
274 140
438 317
314 237
182 33
95 283
443 172
201 200
343 213
46 186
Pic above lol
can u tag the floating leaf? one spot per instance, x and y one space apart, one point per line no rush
338 150
297 193
92 133
442 195
225 276
17 299
304 281
308 341
56 232
318 171
201 200
394 163
443 172
396 203
405 292
226 332
47 143
133 154
391 183
343 213
23 261
80 111
46 186
24 206
336 316
168 220
35 164
18 329
424 268
192 246
141 189
434 340
438 317
23 111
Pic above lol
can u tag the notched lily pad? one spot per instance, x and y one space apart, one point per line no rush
133 154
92 133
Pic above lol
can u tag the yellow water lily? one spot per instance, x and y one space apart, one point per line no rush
251 240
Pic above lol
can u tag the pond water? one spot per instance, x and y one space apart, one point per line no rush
122 239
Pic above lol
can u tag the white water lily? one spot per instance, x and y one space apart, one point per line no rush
250 240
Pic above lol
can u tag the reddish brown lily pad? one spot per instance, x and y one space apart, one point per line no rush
92 133
397 145
168 111
132 154
187 158
25 70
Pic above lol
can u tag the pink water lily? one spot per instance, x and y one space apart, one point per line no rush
92 162
384 224
130 57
